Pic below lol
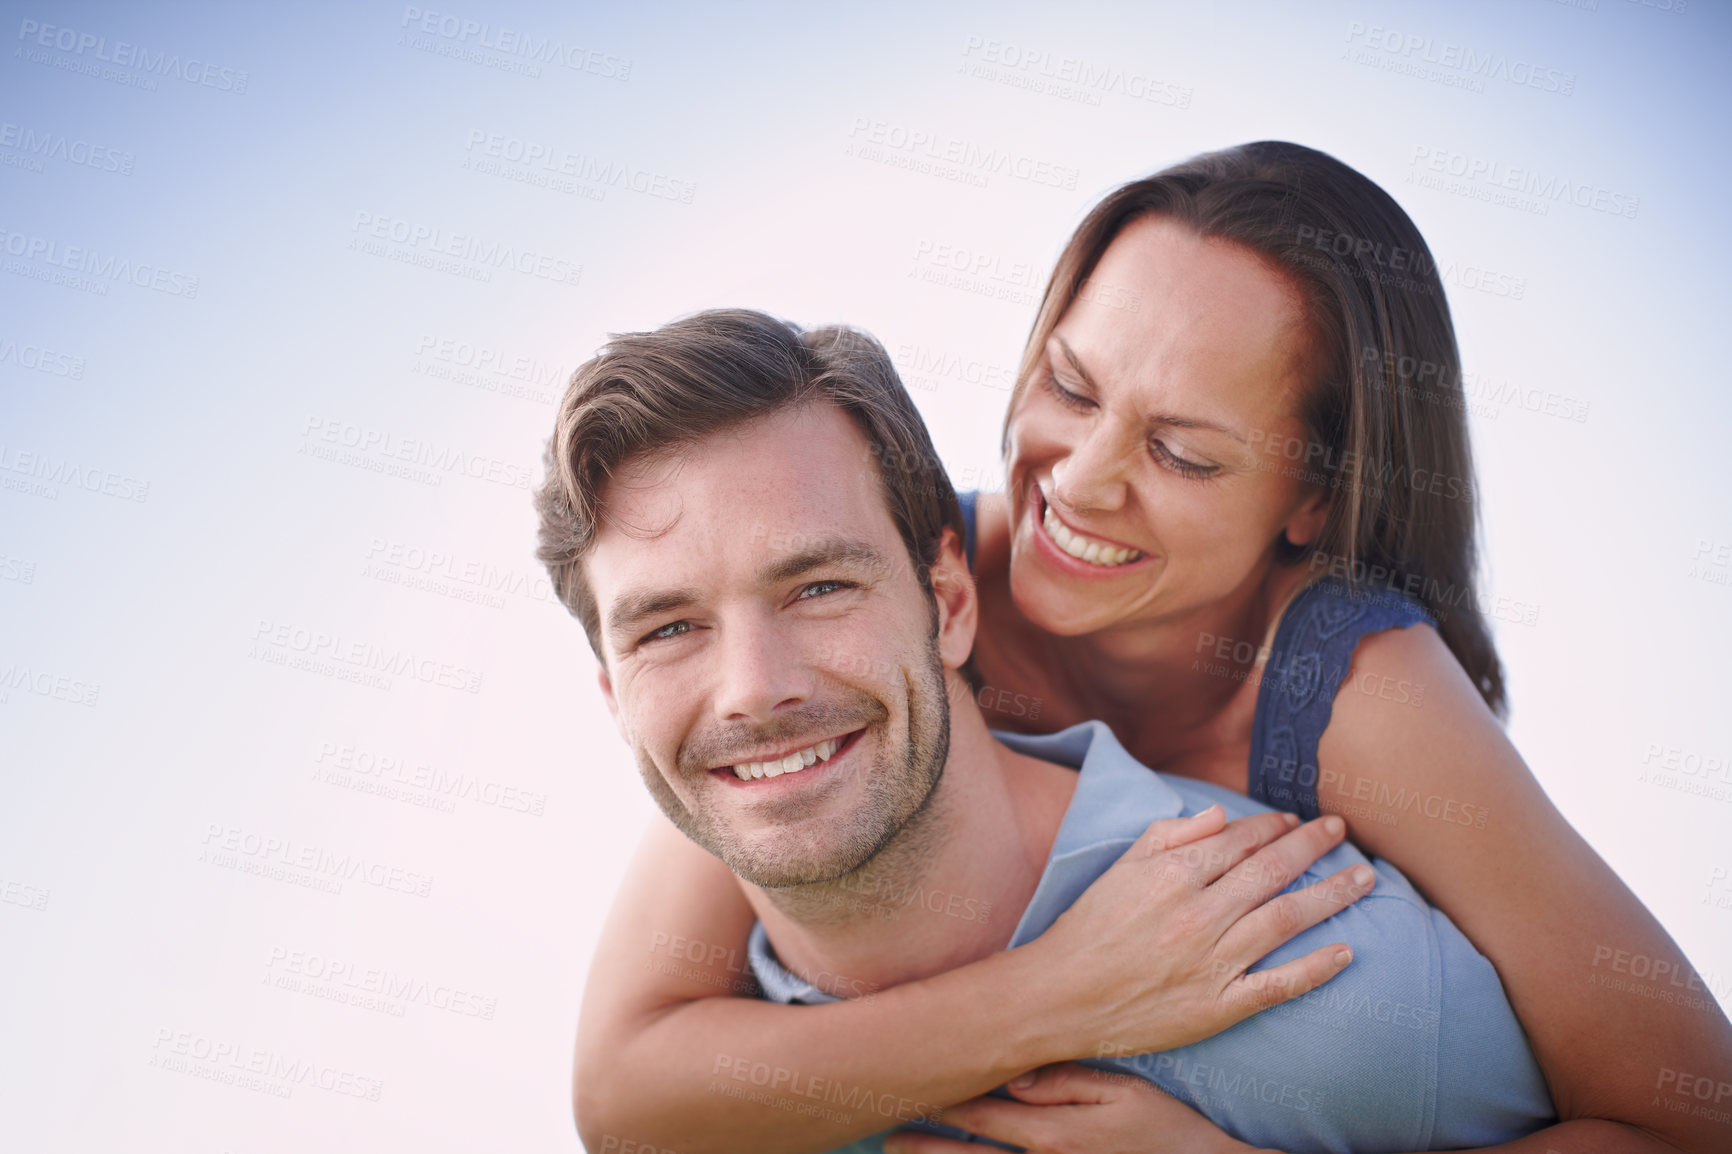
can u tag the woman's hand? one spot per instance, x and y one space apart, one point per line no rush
1155 952
1074 1109
1163 938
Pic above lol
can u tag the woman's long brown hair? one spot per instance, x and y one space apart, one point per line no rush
1385 414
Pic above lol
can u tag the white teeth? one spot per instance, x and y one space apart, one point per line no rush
1082 548
793 763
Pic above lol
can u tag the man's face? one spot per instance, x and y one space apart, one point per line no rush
759 613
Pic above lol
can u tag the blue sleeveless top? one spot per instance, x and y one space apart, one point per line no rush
1307 663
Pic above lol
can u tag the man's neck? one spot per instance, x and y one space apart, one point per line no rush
948 890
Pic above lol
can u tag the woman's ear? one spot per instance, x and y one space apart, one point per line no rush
958 605
1307 521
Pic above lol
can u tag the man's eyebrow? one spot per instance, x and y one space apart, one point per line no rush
1172 419
845 551
632 608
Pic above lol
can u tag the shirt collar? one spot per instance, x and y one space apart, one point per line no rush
1115 799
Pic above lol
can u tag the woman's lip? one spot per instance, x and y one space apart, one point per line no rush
1050 549
1084 533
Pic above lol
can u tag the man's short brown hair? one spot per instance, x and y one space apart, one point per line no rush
653 392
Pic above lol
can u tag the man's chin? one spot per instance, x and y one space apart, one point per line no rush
781 864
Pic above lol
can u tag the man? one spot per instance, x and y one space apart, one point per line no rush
751 524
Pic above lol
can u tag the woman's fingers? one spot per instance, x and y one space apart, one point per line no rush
1202 861
909 1142
1252 993
1006 1120
1276 921
1272 868
1064 1084
1168 832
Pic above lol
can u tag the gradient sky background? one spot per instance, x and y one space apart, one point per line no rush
146 719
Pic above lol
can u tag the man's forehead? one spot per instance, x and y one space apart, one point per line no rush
776 484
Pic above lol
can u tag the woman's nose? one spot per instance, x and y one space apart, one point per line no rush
1093 474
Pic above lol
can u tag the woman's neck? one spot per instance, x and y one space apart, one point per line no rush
1170 689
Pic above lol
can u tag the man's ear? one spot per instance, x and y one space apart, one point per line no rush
958 604
606 684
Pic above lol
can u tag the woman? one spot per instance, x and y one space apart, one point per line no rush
1237 477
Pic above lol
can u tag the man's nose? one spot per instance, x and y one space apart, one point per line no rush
762 671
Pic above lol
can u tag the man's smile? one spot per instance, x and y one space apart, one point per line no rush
796 760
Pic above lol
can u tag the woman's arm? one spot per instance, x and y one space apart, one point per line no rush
1152 956
1438 790
1068 1107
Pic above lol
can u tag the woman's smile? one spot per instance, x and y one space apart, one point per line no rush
1071 549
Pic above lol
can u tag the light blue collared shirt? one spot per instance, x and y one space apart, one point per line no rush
1412 1047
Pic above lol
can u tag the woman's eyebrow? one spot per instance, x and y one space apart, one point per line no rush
1172 419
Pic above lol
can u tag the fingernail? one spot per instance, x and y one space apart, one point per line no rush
1292 819
1334 826
1023 1081
1363 877
1343 956
1210 810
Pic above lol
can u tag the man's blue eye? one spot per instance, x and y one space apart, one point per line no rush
819 588
671 629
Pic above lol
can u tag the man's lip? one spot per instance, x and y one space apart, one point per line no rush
1041 505
844 740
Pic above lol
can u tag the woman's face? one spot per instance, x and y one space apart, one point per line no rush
1158 436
